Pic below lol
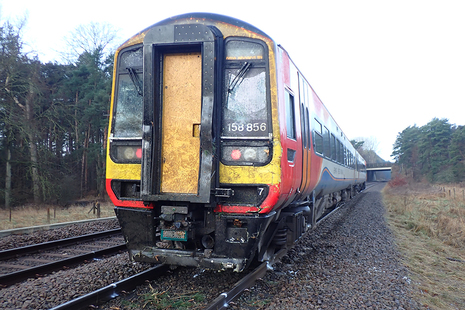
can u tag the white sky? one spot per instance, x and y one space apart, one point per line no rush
378 66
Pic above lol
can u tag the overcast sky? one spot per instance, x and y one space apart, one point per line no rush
378 66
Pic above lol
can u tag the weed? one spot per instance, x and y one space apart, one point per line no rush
166 300
429 224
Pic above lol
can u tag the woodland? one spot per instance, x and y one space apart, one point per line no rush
434 152
53 118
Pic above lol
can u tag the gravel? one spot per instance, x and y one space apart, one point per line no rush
349 262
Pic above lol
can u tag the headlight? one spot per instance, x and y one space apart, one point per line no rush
128 153
245 155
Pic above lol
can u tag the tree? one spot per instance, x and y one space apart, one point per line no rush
88 39
53 117
358 145
405 149
18 74
457 154
367 147
434 144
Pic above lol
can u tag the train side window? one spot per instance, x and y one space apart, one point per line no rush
345 156
333 147
340 153
290 116
326 143
318 138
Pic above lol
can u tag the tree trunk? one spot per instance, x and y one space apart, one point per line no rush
76 124
8 177
84 173
32 143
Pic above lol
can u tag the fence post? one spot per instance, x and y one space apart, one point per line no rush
97 204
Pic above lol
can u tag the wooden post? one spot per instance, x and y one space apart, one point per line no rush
97 204
48 215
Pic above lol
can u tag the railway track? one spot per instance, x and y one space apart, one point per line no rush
113 290
31 261
222 301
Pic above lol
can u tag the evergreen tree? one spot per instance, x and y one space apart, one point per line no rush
405 150
434 145
18 75
457 154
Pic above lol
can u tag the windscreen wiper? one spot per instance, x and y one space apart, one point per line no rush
135 80
240 76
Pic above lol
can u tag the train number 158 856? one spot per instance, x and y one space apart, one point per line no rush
250 127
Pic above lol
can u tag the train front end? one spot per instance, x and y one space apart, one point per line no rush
192 166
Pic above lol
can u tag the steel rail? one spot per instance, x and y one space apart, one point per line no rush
113 290
12 253
222 301
18 276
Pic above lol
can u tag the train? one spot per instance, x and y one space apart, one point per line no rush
219 152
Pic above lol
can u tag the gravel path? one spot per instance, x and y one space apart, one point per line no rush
349 262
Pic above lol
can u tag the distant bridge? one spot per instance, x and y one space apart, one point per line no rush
379 172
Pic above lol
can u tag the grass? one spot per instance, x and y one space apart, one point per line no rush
166 300
429 224
27 216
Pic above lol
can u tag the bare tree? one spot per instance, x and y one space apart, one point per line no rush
89 38
368 148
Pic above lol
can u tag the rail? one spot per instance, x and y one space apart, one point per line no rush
113 290
29 249
18 276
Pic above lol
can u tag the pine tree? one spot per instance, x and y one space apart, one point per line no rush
457 154
405 150
434 145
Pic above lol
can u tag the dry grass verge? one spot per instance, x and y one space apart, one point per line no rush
27 216
429 224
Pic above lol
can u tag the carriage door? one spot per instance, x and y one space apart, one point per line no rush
182 99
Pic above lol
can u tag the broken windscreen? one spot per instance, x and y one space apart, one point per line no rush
128 102
245 105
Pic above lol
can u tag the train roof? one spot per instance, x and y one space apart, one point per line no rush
208 19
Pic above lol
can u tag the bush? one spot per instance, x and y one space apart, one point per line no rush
398 181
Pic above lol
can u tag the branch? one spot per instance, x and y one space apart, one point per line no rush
12 96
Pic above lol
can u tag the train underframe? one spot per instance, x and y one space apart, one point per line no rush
186 234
